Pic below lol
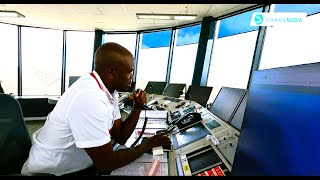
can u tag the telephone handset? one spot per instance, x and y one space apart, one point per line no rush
188 119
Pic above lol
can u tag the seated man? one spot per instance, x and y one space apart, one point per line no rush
77 134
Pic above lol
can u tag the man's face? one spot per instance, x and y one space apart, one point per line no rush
124 75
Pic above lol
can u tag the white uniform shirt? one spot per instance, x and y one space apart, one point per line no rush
81 119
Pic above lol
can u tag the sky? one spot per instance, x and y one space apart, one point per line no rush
230 26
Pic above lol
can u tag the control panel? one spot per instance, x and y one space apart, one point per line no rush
202 143
212 148
177 114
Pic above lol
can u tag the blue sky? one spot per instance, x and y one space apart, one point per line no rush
186 35
230 26
308 8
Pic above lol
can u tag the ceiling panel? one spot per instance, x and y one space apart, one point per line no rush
120 17
109 9
53 8
201 10
223 9
152 8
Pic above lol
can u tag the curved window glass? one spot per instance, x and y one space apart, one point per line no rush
41 61
184 55
156 39
308 8
126 40
287 46
237 24
188 35
79 56
9 58
153 57
232 55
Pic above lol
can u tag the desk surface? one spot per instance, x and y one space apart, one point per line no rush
141 165
223 133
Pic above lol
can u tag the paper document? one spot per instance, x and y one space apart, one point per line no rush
147 132
152 123
154 114
146 157
140 169
140 166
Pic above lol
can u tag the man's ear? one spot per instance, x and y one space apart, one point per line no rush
110 70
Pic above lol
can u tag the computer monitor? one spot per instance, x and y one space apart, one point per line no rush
199 94
174 90
226 101
155 87
280 129
237 118
73 79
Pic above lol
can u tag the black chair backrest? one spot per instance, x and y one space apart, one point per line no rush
73 79
15 142
199 94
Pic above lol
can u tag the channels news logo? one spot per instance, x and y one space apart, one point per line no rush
274 19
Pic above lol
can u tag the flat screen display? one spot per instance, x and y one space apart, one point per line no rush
226 102
174 90
189 135
237 118
199 94
155 87
280 130
212 124
204 160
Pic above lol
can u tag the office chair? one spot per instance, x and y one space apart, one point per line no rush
15 142
73 79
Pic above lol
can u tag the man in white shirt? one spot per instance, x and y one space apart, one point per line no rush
77 133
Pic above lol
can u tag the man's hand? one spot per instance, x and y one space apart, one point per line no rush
160 139
140 98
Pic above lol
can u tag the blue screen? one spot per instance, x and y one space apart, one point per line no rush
281 125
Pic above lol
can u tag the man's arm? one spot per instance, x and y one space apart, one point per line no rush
105 159
122 130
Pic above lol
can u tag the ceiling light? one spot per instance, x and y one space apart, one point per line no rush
166 16
11 14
